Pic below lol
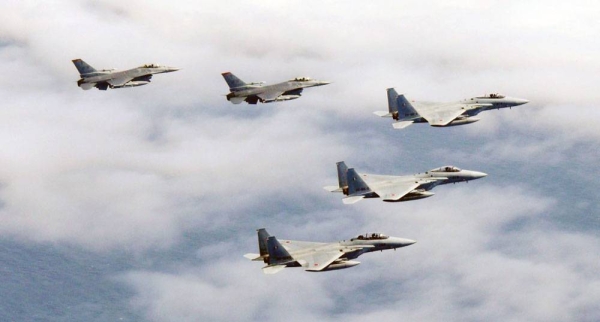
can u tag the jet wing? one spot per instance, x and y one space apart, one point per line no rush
119 81
441 114
269 95
393 192
397 187
291 245
319 260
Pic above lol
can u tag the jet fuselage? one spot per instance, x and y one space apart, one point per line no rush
103 76
280 87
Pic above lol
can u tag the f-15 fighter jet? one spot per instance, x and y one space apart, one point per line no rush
105 78
319 257
406 112
357 186
253 93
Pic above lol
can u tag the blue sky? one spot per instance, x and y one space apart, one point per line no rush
138 204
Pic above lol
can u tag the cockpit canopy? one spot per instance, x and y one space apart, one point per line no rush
371 236
448 168
301 79
496 95
150 66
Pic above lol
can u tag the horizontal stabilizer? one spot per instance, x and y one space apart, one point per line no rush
333 189
401 125
351 200
273 269
383 114
253 257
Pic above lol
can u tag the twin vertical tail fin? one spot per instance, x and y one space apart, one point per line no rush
357 189
405 109
355 183
342 171
277 254
263 235
392 96
83 67
233 81
400 109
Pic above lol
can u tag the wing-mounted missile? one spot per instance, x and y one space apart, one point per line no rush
462 120
417 194
341 265
132 84
287 96
284 98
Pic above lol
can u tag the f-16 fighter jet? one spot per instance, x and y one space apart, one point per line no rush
357 186
406 112
253 93
105 78
319 257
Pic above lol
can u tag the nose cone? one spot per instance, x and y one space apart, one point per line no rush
171 69
403 242
477 174
321 83
520 101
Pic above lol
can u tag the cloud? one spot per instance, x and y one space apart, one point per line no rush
174 165
469 263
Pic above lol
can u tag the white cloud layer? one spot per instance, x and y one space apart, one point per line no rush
142 169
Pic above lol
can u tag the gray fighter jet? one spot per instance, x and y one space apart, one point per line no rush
319 257
406 112
357 186
253 93
105 78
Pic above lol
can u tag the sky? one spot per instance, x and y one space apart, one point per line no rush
138 204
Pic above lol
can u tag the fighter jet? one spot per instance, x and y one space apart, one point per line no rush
406 112
357 186
253 93
105 78
319 257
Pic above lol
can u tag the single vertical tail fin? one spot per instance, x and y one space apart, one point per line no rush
355 183
233 81
83 67
277 254
342 170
